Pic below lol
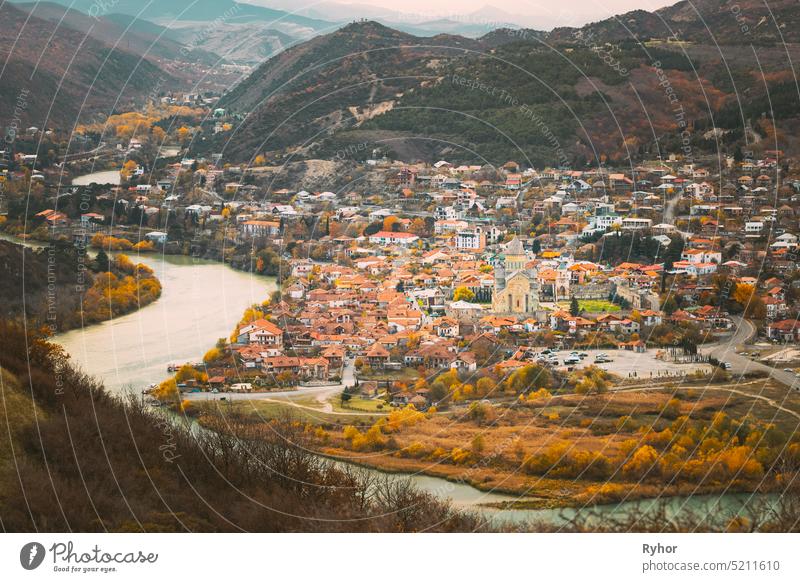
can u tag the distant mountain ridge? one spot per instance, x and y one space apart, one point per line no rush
354 72
237 32
724 21
590 92
123 31
64 74
197 10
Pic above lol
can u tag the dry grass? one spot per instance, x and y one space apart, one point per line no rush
592 424
17 414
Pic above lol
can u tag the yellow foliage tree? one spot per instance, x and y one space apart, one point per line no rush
644 462
463 294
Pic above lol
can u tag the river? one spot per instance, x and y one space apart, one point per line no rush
702 508
202 301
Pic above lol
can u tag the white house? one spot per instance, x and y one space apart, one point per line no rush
471 240
754 227
636 223
384 238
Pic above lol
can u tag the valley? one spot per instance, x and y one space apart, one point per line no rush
344 268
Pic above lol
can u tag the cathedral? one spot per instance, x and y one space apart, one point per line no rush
516 289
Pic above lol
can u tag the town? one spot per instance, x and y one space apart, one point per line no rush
337 267
455 267
423 310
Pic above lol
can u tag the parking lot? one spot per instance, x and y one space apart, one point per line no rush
625 364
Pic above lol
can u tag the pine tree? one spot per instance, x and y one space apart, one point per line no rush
574 307
102 262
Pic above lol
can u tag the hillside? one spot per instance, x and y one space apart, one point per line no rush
723 22
59 289
334 82
248 43
53 75
137 471
566 97
24 292
178 34
124 32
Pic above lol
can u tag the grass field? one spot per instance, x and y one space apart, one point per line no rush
402 375
593 306
361 404
303 410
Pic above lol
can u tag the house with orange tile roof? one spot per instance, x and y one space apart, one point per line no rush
261 332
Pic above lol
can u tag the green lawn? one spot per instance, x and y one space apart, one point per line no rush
593 305
361 404
264 411
402 375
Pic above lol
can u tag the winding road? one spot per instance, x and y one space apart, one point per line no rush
725 351
322 393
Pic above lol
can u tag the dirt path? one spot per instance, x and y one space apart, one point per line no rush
772 402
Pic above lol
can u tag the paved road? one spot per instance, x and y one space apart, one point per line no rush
725 351
322 393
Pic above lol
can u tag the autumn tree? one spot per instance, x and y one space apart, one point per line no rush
463 294
529 378
643 463
128 168
743 294
158 134
419 227
752 305
485 386
389 223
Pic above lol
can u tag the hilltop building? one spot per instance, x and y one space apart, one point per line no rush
516 288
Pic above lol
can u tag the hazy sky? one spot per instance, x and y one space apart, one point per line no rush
548 11
541 14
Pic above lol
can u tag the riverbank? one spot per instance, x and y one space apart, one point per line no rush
65 436
201 301
523 492
692 510
238 257
635 443
62 288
